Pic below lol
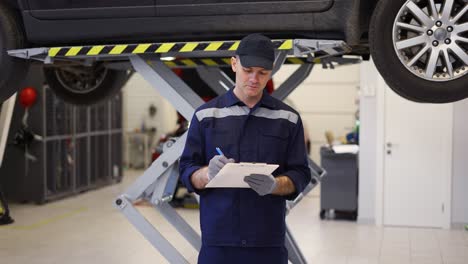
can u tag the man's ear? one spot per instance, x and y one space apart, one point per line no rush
233 64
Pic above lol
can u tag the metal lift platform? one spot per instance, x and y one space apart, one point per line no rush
158 182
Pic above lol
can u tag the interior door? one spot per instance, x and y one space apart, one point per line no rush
90 9
417 165
236 7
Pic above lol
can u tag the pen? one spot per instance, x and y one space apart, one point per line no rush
219 151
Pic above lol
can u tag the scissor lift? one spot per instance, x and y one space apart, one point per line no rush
158 182
6 112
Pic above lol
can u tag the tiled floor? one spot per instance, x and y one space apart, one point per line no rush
87 229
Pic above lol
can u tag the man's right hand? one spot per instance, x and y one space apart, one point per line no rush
216 164
201 177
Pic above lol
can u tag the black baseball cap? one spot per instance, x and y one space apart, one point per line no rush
256 50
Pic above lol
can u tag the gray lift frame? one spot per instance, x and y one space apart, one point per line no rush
6 113
158 182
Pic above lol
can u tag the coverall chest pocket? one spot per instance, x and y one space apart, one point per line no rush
222 138
273 145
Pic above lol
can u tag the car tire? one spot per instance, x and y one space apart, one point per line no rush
83 85
416 83
13 70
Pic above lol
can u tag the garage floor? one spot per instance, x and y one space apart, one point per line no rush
87 229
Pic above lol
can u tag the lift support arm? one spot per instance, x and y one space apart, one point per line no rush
158 182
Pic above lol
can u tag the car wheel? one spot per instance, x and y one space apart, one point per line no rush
420 48
83 85
12 70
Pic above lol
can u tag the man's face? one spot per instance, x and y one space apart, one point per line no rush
250 80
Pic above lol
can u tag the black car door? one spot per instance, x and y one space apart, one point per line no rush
90 9
183 8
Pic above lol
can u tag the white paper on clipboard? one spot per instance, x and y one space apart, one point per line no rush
232 174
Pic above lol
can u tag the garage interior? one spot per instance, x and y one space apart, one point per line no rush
410 175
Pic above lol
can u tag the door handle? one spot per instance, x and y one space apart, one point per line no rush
389 144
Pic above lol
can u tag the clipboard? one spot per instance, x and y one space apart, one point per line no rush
232 174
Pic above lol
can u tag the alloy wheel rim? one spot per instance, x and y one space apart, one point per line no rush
81 79
430 38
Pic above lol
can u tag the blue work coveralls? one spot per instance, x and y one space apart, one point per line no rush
238 225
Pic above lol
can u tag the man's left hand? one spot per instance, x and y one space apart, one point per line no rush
261 183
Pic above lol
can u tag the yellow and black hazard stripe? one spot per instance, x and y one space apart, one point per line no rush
222 61
151 48
193 62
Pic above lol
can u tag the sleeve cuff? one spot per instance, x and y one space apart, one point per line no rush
298 181
186 179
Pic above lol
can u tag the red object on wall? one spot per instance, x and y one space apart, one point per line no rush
28 97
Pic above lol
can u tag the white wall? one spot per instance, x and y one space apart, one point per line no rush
326 100
367 143
460 165
370 103
138 95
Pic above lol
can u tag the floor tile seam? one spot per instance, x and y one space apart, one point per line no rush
381 245
439 247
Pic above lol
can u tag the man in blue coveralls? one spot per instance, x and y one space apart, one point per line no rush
246 225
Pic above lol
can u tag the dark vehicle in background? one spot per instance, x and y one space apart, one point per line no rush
419 46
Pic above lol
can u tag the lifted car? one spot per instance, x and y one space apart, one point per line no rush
419 46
